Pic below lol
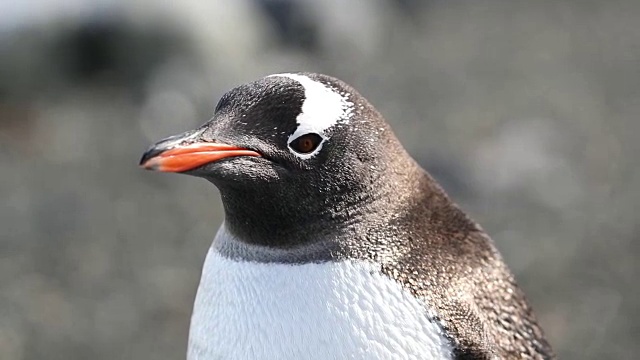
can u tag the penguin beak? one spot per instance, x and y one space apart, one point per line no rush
173 155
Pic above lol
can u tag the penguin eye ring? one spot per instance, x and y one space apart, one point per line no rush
306 143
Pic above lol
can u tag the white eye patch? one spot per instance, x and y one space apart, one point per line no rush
322 108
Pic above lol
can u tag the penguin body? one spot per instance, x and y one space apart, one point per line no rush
336 244
331 310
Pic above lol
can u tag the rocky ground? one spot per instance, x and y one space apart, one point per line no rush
527 112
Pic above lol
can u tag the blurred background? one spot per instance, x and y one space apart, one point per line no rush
526 112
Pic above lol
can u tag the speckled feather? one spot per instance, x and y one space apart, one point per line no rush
446 259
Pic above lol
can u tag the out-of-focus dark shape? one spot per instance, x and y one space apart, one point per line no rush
295 26
93 49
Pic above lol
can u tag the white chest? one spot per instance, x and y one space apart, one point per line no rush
342 310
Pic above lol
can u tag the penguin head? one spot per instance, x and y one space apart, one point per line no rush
302 144
277 129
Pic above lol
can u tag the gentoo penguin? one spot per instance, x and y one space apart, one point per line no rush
335 243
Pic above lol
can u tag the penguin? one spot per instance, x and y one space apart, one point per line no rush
335 243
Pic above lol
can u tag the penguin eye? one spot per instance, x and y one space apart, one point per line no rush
306 143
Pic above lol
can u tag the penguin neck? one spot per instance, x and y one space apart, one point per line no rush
267 220
315 219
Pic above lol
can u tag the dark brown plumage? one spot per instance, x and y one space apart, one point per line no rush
443 257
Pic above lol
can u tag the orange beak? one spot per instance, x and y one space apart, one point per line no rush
188 157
